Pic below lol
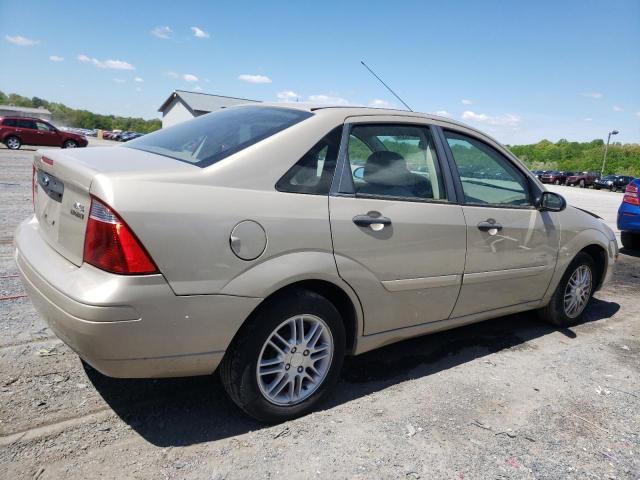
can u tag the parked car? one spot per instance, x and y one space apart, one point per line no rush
538 173
555 177
629 216
18 131
209 245
584 179
613 182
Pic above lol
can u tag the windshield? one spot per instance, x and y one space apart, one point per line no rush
208 139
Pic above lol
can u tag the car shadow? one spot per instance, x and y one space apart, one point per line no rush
187 411
629 252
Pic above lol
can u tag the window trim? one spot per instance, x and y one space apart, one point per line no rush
533 192
343 185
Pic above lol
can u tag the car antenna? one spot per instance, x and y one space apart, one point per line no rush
387 86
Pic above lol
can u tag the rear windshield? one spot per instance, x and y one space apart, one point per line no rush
208 139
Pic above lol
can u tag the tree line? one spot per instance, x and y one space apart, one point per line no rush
71 117
623 159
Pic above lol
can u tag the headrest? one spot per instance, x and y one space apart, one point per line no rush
385 168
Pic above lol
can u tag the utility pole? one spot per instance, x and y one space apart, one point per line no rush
606 149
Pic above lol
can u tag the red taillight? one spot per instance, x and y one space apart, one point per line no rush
631 195
111 245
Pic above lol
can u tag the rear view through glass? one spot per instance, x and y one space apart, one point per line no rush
208 139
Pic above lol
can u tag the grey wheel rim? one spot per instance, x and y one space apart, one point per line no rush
295 360
577 291
70 144
13 143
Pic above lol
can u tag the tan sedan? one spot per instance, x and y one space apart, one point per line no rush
267 242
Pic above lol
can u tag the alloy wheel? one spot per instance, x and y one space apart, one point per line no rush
577 291
13 143
295 360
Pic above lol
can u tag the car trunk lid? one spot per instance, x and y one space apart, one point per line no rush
63 179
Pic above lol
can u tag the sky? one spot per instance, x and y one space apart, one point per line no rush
520 71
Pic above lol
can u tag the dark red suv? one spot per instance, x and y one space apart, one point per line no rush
18 131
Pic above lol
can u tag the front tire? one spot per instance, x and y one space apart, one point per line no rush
13 143
557 182
287 358
630 240
70 144
570 300
582 184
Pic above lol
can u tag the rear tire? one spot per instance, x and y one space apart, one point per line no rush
557 182
582 184
630 240
301 372
13 143
577 284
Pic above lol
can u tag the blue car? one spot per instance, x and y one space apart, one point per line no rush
629 216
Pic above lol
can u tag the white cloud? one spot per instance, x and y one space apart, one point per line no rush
162 32
138 79
110 64
119 80
287 96
594 95
506 120
190 78
378 103
56 58
171 74
588 119
21 41
245 77
199 33
444 113
466 101
328 99
616 108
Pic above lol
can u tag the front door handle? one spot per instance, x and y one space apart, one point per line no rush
375 222
490 226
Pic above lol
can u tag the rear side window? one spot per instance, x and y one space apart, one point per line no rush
208 139
25 124
9 122
312 174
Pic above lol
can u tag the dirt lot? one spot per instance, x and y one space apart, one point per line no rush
508 398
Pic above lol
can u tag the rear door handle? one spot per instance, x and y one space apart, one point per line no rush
490 226
375 222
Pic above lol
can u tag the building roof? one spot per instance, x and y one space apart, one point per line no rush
203 102
13 108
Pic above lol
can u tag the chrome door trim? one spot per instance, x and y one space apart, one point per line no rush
495 275
421 283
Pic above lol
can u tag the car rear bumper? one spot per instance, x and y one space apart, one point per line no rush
629 218
127 326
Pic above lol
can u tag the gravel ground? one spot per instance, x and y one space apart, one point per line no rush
507 398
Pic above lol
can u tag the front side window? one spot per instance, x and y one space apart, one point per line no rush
43 127
395 160
313 173
487 176
208 139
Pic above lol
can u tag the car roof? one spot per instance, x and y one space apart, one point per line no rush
355 111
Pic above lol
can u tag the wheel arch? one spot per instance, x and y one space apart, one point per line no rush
599 256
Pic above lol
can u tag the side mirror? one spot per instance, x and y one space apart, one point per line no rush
358 173
551 202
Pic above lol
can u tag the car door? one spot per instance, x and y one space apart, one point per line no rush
398 238
46 135
511 246
26 130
